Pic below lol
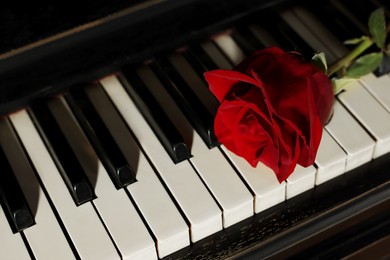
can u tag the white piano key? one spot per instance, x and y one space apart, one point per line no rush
216 55
369 113
223 182
166 223
235 199
230 48
46 226
330 159
159 211
121 219
216 172
262 181
349 134
83 225
301 180
12 244
194 199
379 87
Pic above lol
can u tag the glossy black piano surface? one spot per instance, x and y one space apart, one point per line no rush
41 56
60 44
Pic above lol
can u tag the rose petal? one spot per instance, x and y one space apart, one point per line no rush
273 107
310 141
221 81
264 56
285 170
247 143
323 96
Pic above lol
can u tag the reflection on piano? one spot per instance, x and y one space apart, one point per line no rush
108 148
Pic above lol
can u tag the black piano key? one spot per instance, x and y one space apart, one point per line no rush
199 59
121 173
342 27
360 9
67 162
12 199
349 30
286 37
164 129
246 40
200 117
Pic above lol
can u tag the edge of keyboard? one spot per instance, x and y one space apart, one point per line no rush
321 220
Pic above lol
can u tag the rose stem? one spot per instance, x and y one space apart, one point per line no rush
347 59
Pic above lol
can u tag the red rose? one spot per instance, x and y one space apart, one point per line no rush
273 108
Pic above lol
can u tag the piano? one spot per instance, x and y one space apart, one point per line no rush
107 146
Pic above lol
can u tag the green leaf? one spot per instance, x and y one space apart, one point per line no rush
319 60
365 64
339 84
355 40
377 27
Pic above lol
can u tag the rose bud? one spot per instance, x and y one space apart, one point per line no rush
273 108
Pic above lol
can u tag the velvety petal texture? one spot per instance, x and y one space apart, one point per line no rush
273 108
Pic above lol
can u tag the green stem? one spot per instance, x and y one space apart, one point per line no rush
346 60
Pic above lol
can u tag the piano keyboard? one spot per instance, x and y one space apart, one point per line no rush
132 169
